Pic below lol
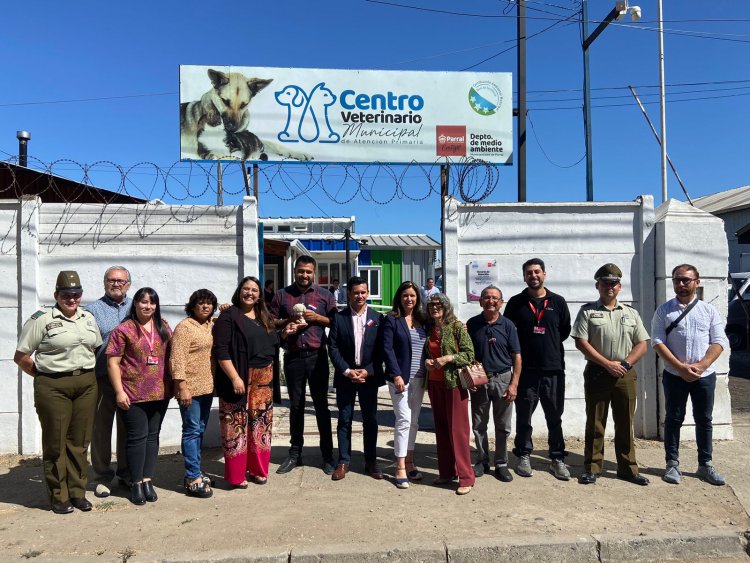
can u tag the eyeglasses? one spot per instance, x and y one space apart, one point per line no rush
435 305
117 282
683 281
71 294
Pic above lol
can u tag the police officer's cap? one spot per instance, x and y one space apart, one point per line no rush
68 279
608 272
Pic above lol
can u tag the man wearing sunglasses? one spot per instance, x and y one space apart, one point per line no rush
109 311
688 335
612 337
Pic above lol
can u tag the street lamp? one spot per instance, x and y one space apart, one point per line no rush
618 12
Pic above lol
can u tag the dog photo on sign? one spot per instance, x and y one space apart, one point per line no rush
215 126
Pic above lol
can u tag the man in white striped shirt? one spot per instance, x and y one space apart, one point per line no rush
688 334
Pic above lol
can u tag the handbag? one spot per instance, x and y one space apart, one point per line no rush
472 375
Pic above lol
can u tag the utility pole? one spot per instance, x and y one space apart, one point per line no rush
219 185
521 79
347 240
662 105
444 176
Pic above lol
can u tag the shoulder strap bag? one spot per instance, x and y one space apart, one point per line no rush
675 322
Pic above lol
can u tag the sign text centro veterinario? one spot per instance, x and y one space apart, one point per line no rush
321 115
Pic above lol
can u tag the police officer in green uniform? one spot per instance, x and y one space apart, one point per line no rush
612 337
63 340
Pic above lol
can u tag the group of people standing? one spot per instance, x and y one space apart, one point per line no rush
421 345
118 359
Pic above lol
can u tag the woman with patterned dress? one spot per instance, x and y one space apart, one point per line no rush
245 342
137 358
192 373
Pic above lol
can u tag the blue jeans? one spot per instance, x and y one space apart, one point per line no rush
701 393
194 421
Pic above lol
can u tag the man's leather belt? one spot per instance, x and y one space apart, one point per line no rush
66 373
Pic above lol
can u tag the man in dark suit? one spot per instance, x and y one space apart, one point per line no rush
355 349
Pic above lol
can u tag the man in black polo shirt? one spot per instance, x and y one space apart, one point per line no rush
495 345
543 322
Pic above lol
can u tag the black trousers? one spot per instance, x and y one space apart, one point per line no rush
346 395
301 369
143 424
547 387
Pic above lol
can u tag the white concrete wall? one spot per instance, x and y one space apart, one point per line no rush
686 234
9 382
175 250
574 240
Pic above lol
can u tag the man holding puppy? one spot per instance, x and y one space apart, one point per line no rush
305 310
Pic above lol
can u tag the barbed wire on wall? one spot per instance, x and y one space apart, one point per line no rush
186 191
194 182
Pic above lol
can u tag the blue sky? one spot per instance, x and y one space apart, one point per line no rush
124 60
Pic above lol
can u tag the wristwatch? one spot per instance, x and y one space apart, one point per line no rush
626 365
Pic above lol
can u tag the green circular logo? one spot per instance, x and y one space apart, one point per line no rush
485 98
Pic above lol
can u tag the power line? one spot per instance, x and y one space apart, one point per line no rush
88 99
670 85
654 94
538 142
548 28
578 108
528 7
540 18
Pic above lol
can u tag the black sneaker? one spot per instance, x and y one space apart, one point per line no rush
503 473
481 468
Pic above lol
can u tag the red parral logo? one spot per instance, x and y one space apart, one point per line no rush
451 140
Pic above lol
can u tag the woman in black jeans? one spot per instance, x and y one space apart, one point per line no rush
138 370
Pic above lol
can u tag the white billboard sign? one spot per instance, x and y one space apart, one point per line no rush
282 114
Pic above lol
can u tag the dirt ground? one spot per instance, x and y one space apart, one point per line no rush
306 509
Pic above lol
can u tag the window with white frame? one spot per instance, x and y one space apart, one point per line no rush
329 271
373 276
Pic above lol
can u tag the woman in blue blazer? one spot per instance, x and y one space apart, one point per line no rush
404 338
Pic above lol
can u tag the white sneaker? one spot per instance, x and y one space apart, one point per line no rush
709 474
673 474
559 469
523 468
101 490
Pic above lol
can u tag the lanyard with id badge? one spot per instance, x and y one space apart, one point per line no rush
538 316
151 359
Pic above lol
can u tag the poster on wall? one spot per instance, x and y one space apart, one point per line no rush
344 116
481 273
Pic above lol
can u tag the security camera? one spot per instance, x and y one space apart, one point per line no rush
635 13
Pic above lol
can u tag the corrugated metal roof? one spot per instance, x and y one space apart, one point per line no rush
729 200
400 241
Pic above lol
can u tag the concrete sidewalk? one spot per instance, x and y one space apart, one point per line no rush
305 516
